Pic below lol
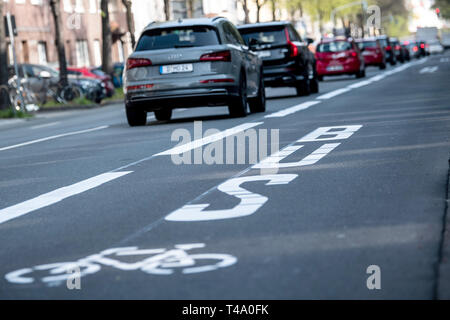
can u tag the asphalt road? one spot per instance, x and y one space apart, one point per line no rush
74 184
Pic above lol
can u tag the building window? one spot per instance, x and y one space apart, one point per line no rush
67 4
82 51
36 2
79 6
93 6
97 53
20 1
42 52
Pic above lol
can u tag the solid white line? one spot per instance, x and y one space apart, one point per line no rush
57 195
203 141
44 125
359 84
291 110
334 93
52 137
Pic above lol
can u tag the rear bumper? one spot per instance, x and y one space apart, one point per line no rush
185 98
347 68
282 75
373 60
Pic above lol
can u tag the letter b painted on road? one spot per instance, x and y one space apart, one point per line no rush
330 133
374 280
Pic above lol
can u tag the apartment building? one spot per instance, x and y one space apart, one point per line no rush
82 31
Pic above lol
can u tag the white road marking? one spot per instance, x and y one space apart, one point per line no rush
52 137
291 110
330 133
57 195
444 60
249 204
44 125
429 69
206 140
360 84
334 93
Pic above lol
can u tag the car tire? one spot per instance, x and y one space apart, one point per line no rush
314 84
361 74
136 117
383 66
303 87
320 78
238 105
163 114
258 104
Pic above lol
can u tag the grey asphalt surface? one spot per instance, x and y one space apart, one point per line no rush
379 198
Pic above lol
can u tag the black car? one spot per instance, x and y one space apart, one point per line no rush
386 44
399 52
287 60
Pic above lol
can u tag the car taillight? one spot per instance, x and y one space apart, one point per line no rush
422 46
217 56
397 48
140 87
415 49
293 50
388 48
353 54
137 63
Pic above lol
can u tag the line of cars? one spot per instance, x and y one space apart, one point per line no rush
211 62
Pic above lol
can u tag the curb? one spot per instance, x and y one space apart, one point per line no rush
80 107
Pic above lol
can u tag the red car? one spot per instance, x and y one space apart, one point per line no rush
339 56
96 74
372 52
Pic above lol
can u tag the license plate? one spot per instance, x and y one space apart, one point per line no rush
264 54
176 68
367 53
335 68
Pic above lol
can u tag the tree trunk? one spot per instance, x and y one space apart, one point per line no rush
258 10
190 8
3 61
167 9
130 21
274 18
107 65
59 41
245 7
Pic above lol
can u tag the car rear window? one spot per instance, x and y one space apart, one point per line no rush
264 36
177 38
383 42
335 46
367 44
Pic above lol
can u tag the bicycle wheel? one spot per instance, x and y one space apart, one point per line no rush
70 93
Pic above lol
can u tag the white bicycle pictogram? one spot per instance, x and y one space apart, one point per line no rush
158 262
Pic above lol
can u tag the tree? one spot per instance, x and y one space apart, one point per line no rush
130 21
59 41
3 61
259 5
107 65
246 13
444 7
167 9
273 7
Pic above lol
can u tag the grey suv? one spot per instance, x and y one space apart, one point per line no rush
188 63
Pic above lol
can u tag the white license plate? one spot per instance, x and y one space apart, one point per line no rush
367 53
335 68
176 68
264 54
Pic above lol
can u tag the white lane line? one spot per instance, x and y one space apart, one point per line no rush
360 84
291 110
44 125
429 69
52 137
334 93
203 141
57 195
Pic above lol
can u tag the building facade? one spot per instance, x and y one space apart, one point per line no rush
35 42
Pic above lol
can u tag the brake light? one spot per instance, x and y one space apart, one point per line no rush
388 48
415 48
397 47
292 47
422 46
353 54
217 56
139 87
137 63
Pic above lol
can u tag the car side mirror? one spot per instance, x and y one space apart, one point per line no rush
309 41
45 75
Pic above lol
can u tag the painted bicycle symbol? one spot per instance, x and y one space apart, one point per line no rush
156 262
